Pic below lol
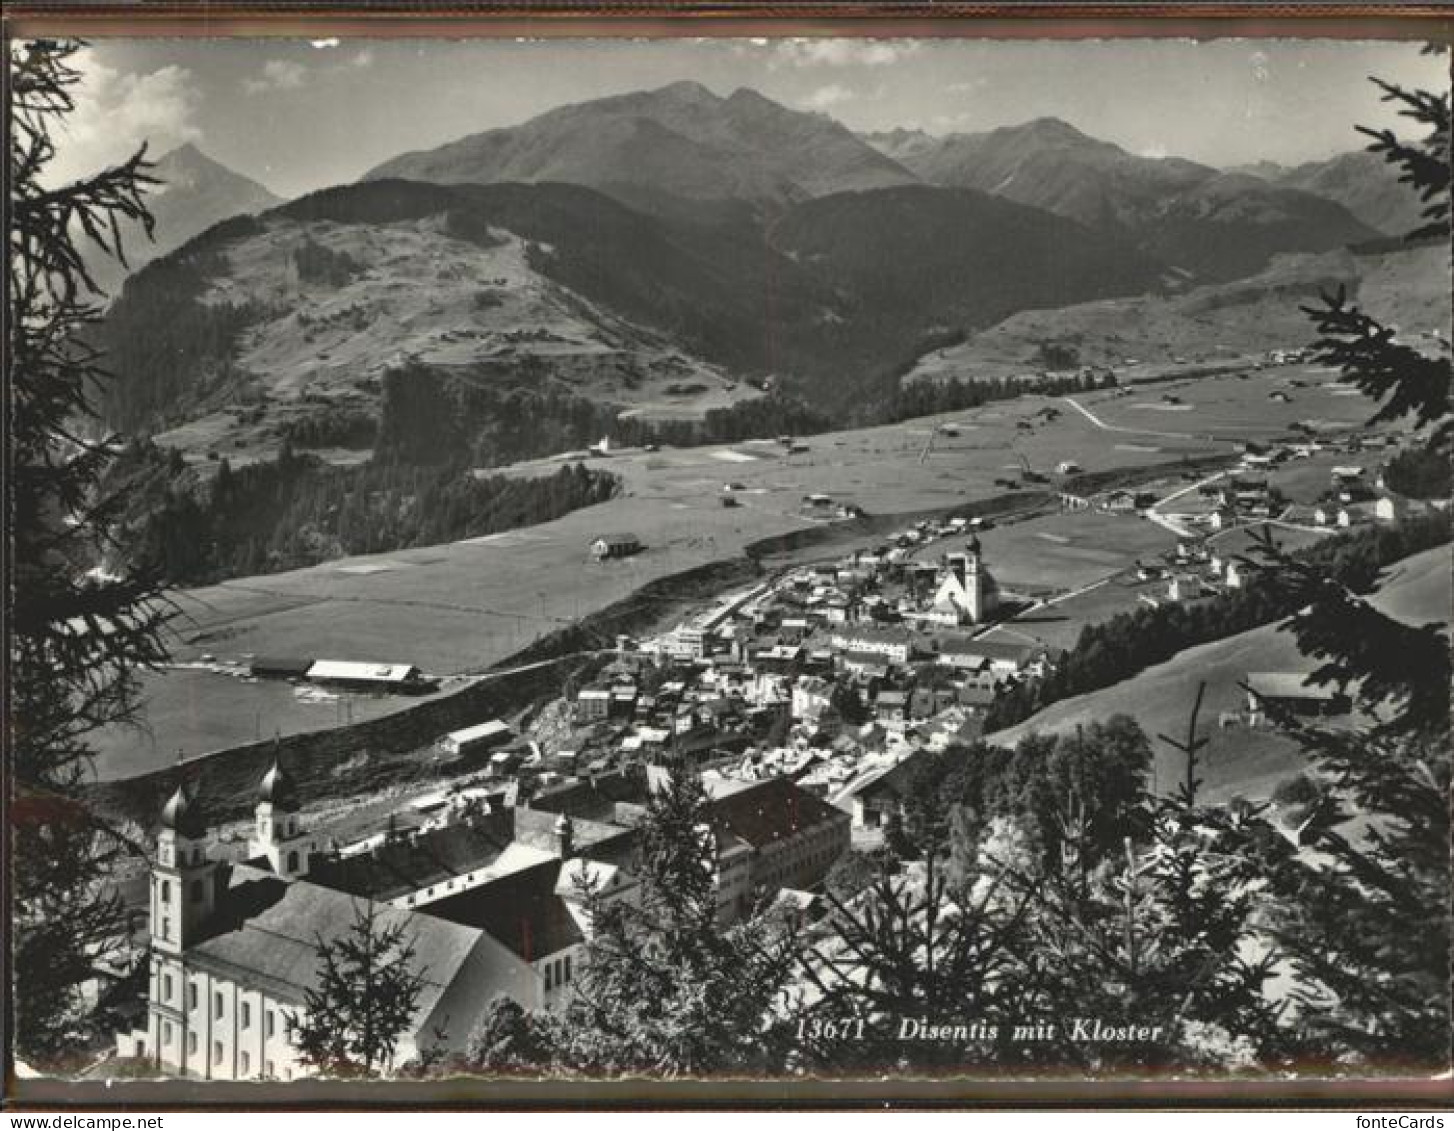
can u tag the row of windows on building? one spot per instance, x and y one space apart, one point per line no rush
219 1053
197 891
428 894
219 1005
789 867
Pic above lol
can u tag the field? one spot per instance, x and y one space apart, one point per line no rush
1234 405
1059 624
1069 550
1238 759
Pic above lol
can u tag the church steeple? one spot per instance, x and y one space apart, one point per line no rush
184 878
276 833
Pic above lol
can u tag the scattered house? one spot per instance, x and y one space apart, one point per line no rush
593 705
1291 692
472 740
811 696
891 709
1184 587
877 792
615 546
1118 502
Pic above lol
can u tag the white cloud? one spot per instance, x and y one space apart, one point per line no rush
115 113
842 52
278 74
323 44
828 96
968 87
1157 149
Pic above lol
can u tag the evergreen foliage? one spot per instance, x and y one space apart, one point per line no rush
297 511
365 998
76 638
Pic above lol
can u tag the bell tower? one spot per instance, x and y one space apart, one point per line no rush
276 834
183 879
974 580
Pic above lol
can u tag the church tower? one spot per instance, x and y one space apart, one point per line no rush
183 879
974 581
276 833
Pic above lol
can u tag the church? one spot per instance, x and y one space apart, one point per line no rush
491 909
966 592
493 903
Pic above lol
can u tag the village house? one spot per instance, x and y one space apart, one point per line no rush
606 546
1292 693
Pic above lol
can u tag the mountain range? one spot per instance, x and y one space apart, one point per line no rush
680 140
1212 225
1362 182
651 253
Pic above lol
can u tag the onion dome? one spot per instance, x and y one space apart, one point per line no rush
183 815
277 789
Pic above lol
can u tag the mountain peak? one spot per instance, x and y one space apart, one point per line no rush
747 94
185 154
687 90
1056 128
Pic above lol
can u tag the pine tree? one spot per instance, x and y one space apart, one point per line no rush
1365 900
76 641
365 998
666 988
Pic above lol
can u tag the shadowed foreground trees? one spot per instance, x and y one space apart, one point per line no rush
76 637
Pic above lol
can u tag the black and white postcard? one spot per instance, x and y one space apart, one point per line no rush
752 557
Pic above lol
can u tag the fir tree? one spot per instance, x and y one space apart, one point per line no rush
1365 901
666 987
365 998
76 640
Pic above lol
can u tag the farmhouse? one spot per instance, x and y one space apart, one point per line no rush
615 546
1290 692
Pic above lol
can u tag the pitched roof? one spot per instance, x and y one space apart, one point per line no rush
425 859
522 911
770 811
266 934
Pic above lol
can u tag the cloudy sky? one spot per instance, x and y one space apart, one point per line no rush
299 115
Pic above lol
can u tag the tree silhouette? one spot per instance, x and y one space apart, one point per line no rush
1364 901
77 637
